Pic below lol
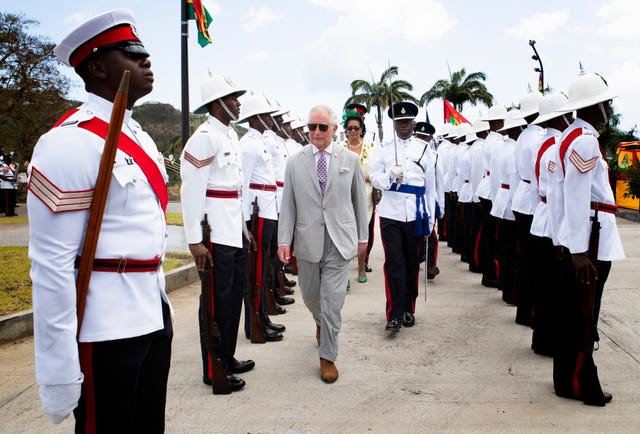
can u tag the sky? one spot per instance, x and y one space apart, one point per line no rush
306 52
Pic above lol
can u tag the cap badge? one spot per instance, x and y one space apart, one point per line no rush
403 111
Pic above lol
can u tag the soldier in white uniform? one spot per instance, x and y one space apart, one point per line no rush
260 185
487 244
587 192
122 349
480 129
525 200
424 132
212 181
407 182
505 172
547 278
7 185
446 152
277 147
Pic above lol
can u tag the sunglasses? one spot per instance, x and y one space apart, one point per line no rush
322 127
353 128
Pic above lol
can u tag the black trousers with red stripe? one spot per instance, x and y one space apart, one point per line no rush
505 255
401 266
548 281
266 235
229 281
573 374
487 246
432 253
475 228
125 383
525 258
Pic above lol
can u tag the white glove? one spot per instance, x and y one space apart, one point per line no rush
395 174
59 400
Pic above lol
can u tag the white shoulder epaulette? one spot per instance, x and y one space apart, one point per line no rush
77 117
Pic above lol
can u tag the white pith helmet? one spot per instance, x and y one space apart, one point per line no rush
445 129
514 119
587 90
287 118
495 113
253 105
529 104
479 125
298 123
550 107
216 87
462 130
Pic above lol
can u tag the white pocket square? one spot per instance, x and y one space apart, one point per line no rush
344 170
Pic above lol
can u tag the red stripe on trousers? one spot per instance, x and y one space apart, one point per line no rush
476 248
88 387
576 381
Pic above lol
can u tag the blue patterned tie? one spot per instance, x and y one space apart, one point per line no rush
322 172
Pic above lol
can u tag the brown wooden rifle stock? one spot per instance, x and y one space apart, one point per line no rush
100 194
209 331
588 300
254 292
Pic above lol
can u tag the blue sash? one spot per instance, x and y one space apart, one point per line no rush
421 226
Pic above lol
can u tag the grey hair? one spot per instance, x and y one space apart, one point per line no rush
333 119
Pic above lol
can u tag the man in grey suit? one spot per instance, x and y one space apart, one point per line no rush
324 208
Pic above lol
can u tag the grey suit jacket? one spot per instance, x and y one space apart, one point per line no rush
305 212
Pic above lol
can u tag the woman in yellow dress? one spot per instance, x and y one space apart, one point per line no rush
353 123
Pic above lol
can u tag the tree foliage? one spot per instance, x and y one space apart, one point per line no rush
460 89
380 93
32 89
611 134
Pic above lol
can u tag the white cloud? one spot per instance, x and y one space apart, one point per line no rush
620 19
260 17
366 29
258 55
365 20
624 79
538 26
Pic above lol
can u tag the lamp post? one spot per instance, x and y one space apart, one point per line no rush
539 69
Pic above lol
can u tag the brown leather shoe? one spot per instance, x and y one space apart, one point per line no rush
328 371
318 334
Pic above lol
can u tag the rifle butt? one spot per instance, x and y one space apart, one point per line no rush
256 332
219 382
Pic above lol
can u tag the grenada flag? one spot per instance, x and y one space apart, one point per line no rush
451 115
197 11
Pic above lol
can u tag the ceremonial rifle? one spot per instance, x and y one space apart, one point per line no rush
588 300
209 331
100 194
254 292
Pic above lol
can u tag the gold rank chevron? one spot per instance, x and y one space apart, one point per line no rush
55 199
582 165
198 163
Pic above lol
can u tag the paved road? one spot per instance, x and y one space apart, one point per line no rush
465 367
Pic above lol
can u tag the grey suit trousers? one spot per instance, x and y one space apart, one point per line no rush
323 286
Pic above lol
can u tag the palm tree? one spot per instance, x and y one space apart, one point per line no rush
459 89
380 93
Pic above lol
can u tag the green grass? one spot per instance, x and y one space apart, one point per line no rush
15 284
175 218
9 220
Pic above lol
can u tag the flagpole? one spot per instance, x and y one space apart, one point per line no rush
184 39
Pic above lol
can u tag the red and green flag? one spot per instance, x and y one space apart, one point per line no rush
451 115
197 11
